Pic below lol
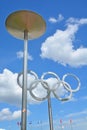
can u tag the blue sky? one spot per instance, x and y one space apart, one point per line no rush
61 49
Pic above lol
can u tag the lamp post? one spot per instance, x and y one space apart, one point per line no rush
25 25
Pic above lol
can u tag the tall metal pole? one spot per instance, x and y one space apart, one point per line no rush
24 89
50 113
20 24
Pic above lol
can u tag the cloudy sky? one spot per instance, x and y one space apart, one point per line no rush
61 50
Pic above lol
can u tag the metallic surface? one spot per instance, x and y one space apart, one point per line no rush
34 85
32 73
24 88
22 20
76 78
50 113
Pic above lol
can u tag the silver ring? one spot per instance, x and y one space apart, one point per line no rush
53 74
34 85
76 78
29 72
67 87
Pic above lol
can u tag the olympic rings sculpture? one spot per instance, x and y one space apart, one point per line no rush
42 82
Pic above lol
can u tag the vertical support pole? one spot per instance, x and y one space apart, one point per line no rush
24 89
50 113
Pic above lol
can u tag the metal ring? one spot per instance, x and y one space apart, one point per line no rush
50 73
34 85
29 72
18 82
68 88
75 77
46 86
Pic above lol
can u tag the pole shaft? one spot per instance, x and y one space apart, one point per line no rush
50 113
24 89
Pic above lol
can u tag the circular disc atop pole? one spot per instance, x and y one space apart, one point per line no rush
24 20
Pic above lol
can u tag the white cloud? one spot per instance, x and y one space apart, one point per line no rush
72 20
52 20
6 114
2 129
77 114
55 20
60 18
20 55
60 44
10 91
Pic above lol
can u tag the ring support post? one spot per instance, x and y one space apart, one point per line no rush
50 113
